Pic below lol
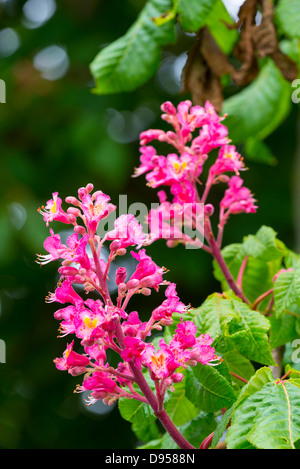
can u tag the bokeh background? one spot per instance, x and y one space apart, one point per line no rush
56 135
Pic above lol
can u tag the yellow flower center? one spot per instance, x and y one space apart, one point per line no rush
91 324
178 167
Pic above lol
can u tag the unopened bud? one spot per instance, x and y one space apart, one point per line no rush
66 270
115 245
89 187
223 178
134 283
74 211
72 200
121 252
79 230
168 107
145 291
121 274
209 210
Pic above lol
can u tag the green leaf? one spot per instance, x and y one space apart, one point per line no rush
192 14
241 423
179 408
283 329
221 427
287 289
277 421
128 62
264 245
256 150
206 317
245 329
288 17
207 389
238 364
258 274
141 416
262 377
225 37
258 380
260 107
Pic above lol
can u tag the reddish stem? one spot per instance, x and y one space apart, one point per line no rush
207 441
262 297
216 252
240 276
238 377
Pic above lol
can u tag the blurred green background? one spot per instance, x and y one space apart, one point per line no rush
57 136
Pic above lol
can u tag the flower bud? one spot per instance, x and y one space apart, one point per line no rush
209 210
121 252
67 270
121 274
169 108
72 200
74 211
134 283
79 230
145 291
89 187
115 245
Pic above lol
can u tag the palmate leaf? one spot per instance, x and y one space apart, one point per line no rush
283 329
226 317
287 289
216 22
208 389
260 107
255 383
268 419
132 59
264 245
245 329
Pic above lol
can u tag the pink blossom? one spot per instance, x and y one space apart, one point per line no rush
185 334
147 272
134 348
149 135
169 306
65 293
71 359
228 160
147 159
127 231
95 207
164 362
238 199
53 211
